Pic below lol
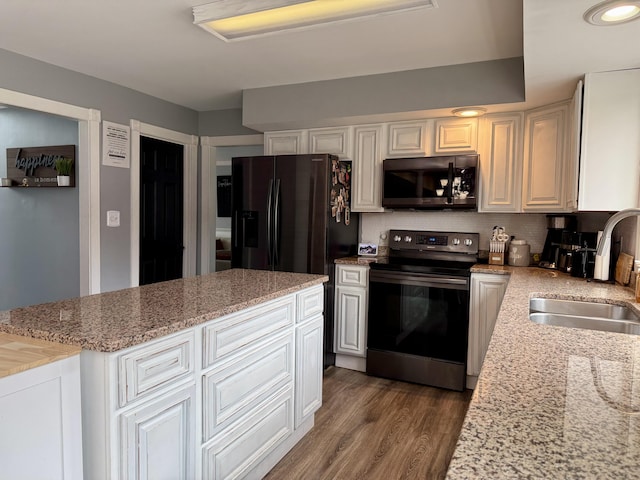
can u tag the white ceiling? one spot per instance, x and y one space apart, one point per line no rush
152 45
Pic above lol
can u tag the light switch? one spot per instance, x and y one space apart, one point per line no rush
113 218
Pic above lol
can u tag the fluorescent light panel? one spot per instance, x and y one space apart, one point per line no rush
238 19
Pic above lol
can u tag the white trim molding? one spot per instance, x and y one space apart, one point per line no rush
190 186
209 199
88 178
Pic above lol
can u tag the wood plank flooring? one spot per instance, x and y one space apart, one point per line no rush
373 428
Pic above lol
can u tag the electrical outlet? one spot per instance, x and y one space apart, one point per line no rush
113 218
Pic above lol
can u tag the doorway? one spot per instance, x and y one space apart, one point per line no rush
161 210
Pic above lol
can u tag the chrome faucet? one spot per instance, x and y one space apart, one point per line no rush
601 271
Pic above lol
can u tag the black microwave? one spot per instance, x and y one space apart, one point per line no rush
430 182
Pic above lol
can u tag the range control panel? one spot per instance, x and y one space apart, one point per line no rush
457 242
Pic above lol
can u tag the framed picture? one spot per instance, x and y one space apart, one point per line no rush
367 249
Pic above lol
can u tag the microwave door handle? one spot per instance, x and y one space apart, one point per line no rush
450 185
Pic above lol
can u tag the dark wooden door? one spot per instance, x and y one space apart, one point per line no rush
161 210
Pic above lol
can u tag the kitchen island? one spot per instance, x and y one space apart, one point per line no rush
215 376
552 402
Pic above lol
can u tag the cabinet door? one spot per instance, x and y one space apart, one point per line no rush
610 153
409 139
309 357
573 149
336 141
501 162
291 142
352 275
158 438
351 321
455 135
544 159
487 291
367 169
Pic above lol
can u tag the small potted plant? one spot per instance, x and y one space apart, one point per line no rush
64 167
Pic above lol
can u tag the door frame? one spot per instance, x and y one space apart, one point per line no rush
88 177
190 185
209 196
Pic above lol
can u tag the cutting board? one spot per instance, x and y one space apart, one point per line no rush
624 265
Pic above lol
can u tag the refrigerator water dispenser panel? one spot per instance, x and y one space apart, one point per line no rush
250 226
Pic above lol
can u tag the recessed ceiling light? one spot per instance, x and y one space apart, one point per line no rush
613 12
238 19
469 112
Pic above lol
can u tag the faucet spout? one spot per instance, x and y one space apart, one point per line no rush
601 271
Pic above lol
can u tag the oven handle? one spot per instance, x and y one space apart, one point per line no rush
451 283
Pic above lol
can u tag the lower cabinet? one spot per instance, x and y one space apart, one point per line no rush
350 343
40 425
487 291
223 400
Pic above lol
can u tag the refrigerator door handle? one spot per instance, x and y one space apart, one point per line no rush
276 225
269 223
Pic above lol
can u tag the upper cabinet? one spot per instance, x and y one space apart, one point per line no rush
610 150
500 149
456 135
337 141
291 142
367 169
544 187
410 139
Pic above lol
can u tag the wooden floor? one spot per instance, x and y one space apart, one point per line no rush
372 428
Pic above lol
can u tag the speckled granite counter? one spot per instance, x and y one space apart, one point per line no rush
356 260
112 321
552 402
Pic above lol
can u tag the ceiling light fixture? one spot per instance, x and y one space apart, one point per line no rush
238 19
469 112
613 12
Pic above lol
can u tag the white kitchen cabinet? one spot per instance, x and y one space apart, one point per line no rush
500 149
367 169
456 135
351 299
610 153
337 141
410 139
309 361
157 438
40 422
544 186
219 400
487 291
574 129
288 142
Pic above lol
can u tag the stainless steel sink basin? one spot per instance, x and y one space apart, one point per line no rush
589 315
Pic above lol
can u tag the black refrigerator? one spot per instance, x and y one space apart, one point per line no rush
291 213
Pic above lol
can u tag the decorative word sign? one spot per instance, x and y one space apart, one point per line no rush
36 166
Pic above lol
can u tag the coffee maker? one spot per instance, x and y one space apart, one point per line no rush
584 258
559 231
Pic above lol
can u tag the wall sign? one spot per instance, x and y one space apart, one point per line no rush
116 145
35 166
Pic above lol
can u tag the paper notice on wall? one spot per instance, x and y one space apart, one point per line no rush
116 145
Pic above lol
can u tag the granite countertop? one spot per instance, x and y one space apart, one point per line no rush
552 402
112 321
356 260
18 354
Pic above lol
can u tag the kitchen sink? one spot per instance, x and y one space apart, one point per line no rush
589 315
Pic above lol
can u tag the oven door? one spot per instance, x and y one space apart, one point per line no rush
418 322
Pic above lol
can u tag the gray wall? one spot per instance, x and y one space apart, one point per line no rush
327 102
223 122
117 104
38 226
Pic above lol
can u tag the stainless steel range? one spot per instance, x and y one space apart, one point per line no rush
419 308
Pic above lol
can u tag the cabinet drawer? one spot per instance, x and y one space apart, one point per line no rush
150 367
352 275
225 336
235 389
237 451
310 303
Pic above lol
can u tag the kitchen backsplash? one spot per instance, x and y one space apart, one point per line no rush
527 226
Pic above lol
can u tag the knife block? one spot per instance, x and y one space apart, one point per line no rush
496 258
